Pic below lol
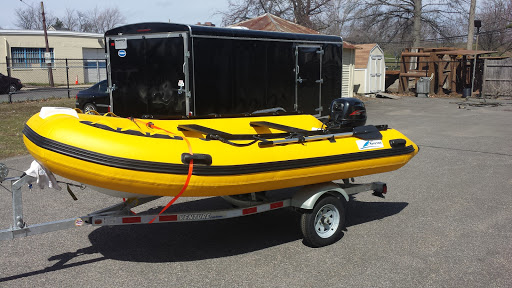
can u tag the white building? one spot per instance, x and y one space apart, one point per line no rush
25 51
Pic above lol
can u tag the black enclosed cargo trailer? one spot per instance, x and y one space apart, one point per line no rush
156 70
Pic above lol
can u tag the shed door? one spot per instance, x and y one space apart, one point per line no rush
376 73
148 75
308 79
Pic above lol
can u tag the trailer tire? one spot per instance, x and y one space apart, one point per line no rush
324 224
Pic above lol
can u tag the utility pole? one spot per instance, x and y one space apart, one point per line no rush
477 24
416 24
471 25
50 72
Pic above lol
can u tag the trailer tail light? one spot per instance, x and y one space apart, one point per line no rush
384 189
98 222
109 110
143 30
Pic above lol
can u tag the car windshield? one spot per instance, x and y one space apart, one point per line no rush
102 87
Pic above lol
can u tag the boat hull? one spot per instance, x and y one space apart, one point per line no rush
105 152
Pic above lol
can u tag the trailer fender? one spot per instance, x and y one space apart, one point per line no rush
307 196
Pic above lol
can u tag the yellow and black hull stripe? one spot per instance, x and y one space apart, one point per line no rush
124 155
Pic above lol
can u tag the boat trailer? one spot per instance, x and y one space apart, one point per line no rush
322 207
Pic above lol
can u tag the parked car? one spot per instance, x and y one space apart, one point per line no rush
94 98
9 84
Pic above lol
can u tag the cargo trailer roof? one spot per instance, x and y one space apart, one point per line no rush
207 31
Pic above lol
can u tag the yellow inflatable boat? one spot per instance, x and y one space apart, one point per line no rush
218 156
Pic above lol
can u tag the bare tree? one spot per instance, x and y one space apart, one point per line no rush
405 20
416 31
70 19
31 18
241 10
314 14
471 25
99 20
95 20
496 15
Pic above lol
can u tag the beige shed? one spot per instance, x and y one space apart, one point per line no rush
370 69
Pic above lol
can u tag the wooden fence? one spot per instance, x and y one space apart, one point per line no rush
497 80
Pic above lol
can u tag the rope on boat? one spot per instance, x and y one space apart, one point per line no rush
223 140
190 165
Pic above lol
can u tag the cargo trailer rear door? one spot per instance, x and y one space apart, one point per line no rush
308 79
148 75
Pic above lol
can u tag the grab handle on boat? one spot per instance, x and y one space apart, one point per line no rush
204 159
397 143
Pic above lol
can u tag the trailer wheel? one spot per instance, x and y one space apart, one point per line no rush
324 224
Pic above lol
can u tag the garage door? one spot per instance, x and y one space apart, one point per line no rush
94 65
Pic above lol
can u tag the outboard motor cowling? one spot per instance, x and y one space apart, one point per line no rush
347 113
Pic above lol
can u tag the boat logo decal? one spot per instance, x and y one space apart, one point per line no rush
131 132
121 53
192 217
369 144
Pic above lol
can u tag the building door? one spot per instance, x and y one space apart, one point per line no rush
376 73
94 65
148 75
308 79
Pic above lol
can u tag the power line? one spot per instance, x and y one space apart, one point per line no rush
503 30
25 3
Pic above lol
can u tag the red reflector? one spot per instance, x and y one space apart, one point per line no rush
168 218
131 220
109 109
143 30
384 189
98 221
112 44
250 210
276 205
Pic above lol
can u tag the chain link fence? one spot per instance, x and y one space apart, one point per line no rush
69 76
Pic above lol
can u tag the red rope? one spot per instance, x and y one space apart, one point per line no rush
190 166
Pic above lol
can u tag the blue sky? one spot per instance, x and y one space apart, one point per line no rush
178 11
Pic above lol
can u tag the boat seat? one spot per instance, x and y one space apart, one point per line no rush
209 132
278 127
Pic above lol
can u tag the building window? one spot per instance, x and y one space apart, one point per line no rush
29 57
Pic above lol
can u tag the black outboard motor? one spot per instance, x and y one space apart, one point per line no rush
347 113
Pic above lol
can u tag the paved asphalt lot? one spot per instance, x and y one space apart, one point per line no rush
42 93
446 222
